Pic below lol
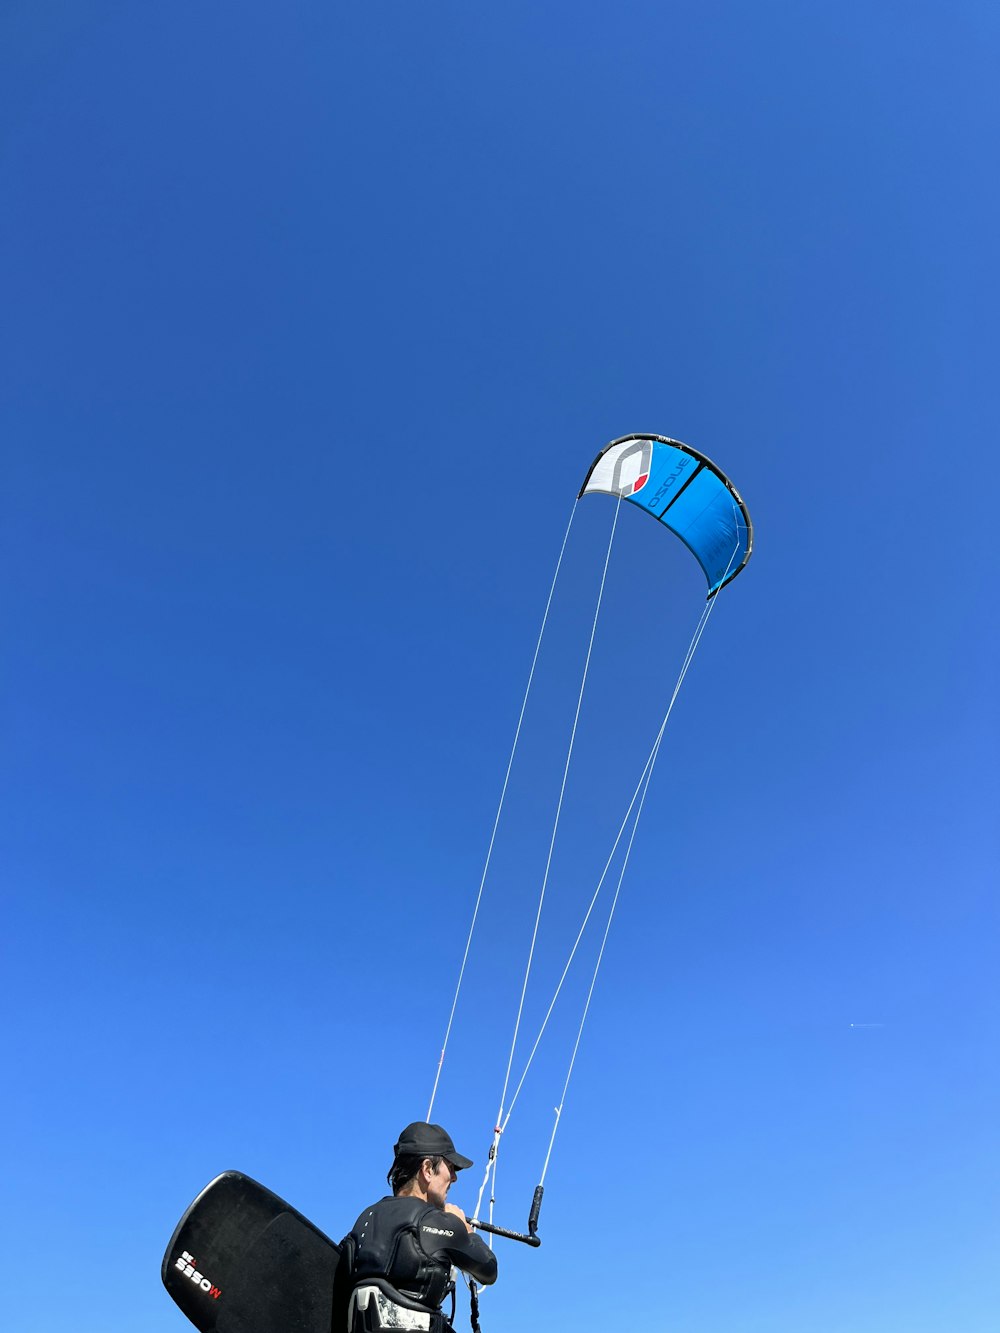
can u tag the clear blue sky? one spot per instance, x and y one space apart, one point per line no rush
313 316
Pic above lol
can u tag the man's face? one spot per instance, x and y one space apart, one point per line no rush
441 1180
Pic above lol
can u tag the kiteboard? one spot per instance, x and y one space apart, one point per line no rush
243 1261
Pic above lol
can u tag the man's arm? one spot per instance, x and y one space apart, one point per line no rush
447 1234
342 1282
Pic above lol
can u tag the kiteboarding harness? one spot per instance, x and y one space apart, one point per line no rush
396 1266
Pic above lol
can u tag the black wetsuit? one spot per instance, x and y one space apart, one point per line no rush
411 1245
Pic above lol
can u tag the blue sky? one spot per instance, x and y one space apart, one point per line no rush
314 317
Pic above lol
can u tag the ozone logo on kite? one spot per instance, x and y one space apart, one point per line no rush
632 468
683 490
188 1265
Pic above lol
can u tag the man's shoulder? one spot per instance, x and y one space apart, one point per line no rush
399 1209
407 1210
436 1222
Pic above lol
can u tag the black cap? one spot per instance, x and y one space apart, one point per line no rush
424 1140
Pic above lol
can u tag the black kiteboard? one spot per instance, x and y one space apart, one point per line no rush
243 1261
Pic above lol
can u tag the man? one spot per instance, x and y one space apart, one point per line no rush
395 1267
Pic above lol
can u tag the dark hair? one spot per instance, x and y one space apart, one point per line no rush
405 1168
